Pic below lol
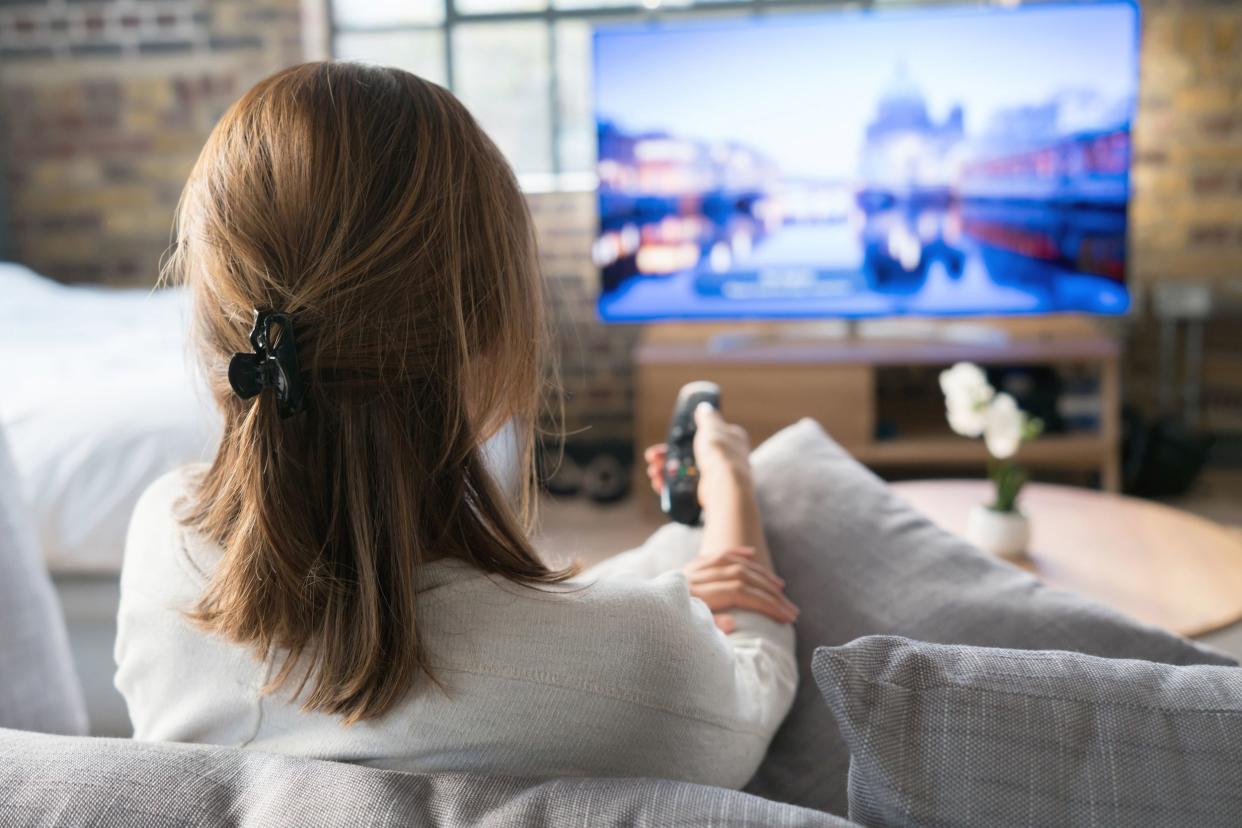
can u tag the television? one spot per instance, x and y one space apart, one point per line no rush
946 162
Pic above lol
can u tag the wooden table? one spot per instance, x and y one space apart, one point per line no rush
1153 562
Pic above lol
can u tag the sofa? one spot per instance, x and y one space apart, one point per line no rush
940 687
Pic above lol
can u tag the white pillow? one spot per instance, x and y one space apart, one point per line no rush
39 689
99 399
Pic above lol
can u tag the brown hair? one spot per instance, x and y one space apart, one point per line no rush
367 204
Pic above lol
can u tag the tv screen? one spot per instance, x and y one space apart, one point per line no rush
948 162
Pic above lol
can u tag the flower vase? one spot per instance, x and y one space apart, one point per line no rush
1006 534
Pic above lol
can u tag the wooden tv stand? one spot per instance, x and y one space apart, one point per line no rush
772 374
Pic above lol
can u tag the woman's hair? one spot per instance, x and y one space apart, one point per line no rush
368 205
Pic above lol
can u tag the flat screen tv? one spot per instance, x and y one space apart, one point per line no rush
945 162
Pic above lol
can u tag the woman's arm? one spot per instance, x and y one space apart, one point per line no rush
733 569
726 491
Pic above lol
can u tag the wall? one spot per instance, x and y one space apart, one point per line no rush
596 369
1187 214
1186 219
105 104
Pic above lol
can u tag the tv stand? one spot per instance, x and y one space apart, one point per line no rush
772 374
860 330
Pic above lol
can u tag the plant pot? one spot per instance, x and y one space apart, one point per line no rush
998 533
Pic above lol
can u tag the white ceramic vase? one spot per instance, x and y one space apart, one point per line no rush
998 533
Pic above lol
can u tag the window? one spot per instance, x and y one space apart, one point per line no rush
501 72
522 66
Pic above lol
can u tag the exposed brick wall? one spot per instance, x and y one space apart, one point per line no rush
1187 171
105 106
1186 215
596 367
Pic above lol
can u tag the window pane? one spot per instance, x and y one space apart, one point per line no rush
485 6
420 51
500 71
362 13
593 4
573 95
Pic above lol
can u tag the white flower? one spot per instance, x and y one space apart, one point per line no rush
965 381
1003 425
967 419
966 396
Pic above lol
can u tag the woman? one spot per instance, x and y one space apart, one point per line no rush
346 580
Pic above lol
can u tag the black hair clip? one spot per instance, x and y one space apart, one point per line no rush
270 367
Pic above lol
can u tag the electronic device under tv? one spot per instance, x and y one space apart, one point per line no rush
946 162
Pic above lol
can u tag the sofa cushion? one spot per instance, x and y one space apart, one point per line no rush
39 689
55 780
974 736
858 560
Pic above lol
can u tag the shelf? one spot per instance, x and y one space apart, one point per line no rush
1054 340
773 374
1077 451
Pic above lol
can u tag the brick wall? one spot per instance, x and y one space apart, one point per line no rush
1187 173
1186 218
596 369
104 105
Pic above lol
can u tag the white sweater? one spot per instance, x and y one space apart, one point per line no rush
626 677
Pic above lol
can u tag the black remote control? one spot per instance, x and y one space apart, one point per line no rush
679 499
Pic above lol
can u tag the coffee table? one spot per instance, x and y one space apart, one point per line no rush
1153 562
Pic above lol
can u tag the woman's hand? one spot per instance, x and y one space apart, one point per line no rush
732 580
734 570
721 452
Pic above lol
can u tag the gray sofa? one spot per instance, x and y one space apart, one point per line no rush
57 780
857 559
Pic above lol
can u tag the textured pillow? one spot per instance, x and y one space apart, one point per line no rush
860 561
38 687
54 780
973 736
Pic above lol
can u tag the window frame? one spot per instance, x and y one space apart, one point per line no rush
551 15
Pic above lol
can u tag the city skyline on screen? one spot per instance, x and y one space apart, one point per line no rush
801 88
942 162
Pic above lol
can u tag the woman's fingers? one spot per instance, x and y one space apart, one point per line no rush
741 557
732 579
656 476
721 592
726 595
656 456
732 568
710 558
724 622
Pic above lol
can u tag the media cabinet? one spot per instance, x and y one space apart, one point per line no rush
772 374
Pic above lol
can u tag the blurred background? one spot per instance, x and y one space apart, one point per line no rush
105 104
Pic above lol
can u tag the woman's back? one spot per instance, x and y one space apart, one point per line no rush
611 677
346 579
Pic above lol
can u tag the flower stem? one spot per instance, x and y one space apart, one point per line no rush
1008 480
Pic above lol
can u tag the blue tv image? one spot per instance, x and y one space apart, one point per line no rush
948 162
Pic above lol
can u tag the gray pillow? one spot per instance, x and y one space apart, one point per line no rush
860 561
973 736
56 780
39 689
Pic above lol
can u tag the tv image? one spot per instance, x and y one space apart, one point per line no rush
945 162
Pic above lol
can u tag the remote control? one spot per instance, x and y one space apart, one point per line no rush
679 499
